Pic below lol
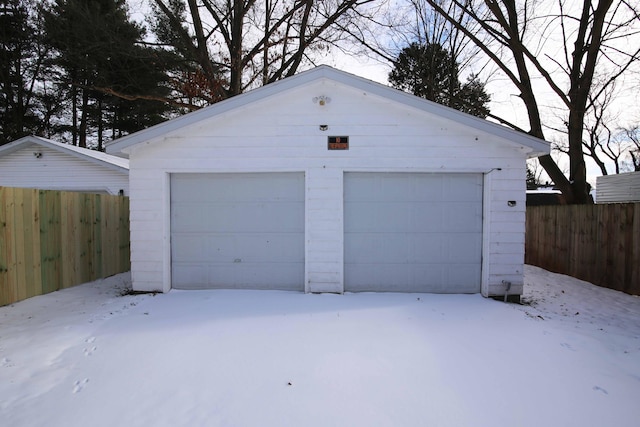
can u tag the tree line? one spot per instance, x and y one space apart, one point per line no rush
84 72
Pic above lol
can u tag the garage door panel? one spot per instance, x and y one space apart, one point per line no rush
462 187
236 187
190 247
221 248
428 248
255 217
364 247
462 217
237 231
192 276
368 277
187 217
379 218
268 247
464 276
426 217
413 232
464 248
263 276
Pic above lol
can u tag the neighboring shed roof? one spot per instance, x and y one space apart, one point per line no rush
621 188
536 147
104 159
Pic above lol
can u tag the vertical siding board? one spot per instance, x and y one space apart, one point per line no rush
49 238
8 283
588 243
33 278
26 243
85 239
628 247
634 283
610 218
68 241
19 244
108 235
125 234
96 236
622 254
50 244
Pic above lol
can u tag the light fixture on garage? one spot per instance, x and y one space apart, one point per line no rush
321 100
324 127
37 154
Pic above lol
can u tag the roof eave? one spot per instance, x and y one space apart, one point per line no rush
536 146
18 144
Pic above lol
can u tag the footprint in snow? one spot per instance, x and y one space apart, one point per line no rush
567 346
79 385
597 388
88 351
6 363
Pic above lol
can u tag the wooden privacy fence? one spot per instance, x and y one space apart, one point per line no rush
51 240
596 243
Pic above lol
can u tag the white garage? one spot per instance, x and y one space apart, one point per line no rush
327 182
413 232
241 231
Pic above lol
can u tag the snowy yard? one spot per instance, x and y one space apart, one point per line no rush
87 356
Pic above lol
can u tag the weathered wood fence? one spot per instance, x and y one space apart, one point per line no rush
596 243
51 240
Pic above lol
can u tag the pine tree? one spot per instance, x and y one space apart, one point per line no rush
113 83
430 71
21 59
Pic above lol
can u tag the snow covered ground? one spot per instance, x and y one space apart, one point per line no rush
91 356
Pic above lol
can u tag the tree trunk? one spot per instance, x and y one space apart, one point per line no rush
235 49
100 128
82 142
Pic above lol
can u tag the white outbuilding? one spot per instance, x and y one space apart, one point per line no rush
328 182
35 162
620 188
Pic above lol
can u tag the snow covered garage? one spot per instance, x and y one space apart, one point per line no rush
327 182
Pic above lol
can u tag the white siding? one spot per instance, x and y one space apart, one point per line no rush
55 170
281 133
622 188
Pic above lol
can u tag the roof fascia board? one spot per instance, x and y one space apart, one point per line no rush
62 148
538 146
535 147
210 111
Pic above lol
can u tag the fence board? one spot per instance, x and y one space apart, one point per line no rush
50 235
8 281
51 240
596 243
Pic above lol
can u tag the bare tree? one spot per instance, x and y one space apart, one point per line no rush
252 42
632 137
563 44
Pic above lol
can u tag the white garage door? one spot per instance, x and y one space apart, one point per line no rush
243 231
413 232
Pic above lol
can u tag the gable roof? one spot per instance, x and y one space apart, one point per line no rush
97 157
537 146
